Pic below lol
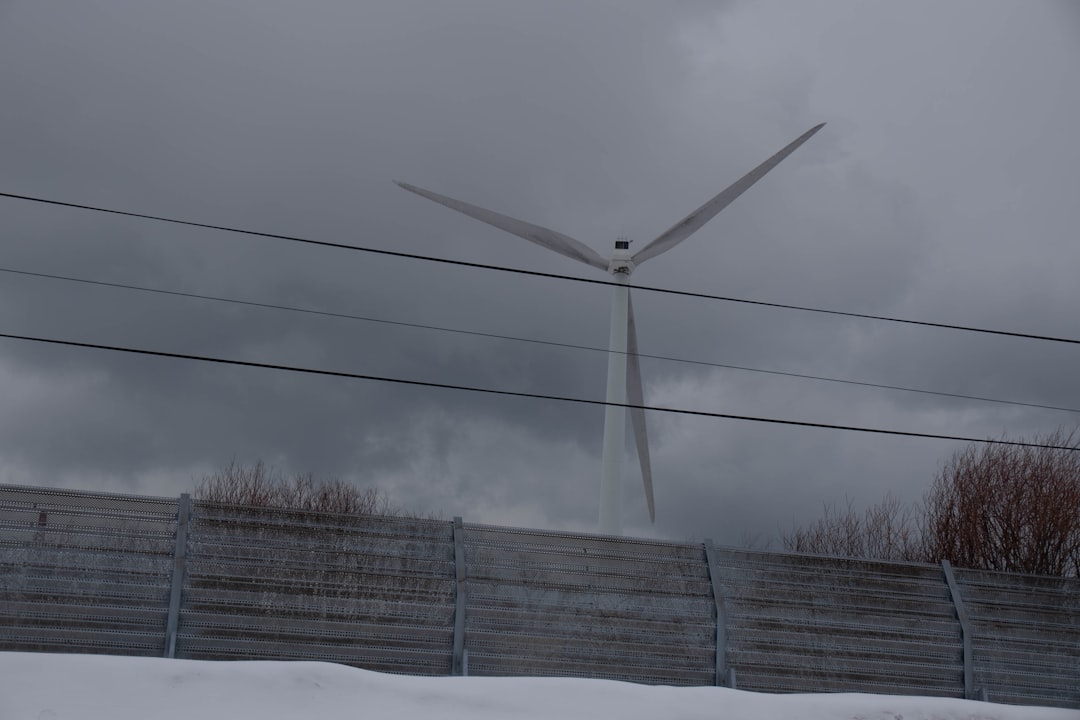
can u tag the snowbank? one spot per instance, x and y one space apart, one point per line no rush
37 686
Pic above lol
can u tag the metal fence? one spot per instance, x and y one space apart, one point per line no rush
102 573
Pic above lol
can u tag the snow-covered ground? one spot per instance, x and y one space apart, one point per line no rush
35 686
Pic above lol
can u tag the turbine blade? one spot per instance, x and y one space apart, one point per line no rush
636 396
562 244
695 220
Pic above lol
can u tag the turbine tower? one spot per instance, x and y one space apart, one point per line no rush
624 371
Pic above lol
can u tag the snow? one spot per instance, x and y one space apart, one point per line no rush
38 686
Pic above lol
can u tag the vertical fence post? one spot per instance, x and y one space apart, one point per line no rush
965 630
183 516
460 662
724 675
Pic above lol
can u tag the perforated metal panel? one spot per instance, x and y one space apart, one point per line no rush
367 591
570 604
84 572
801 623
1026 636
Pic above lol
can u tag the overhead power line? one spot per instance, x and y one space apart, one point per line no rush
514 393
551 343
537 273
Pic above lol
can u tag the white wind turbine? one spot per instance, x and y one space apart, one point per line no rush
624 371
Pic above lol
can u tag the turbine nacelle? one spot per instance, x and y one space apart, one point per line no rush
622 262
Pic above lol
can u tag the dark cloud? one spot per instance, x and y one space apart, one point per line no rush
941 189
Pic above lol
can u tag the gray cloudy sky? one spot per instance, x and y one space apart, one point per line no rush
943 188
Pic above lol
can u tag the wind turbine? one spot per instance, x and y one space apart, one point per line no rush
624 371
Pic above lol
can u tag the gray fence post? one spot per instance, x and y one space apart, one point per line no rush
183 515
460 662
965 630
723 674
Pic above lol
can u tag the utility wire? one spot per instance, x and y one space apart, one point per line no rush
536 273
551 343
513 393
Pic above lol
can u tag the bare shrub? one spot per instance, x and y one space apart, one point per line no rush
1006 507
260 486
886 531
990 507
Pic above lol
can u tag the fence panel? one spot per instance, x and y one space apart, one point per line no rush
1026 636
802 623
542 603
368 591
84 572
